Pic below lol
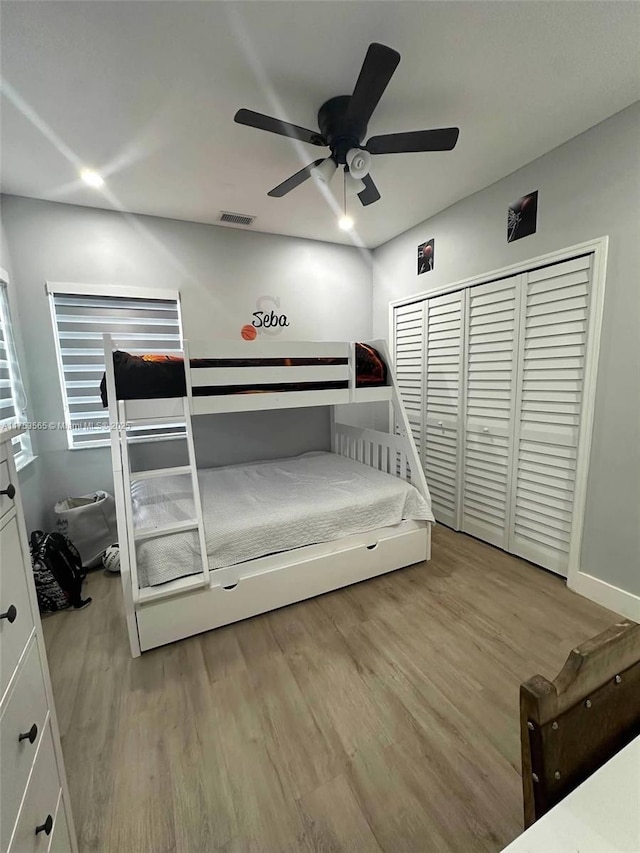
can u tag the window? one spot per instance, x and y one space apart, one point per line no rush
140 321
13 400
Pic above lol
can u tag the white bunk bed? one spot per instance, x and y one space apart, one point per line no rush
212 597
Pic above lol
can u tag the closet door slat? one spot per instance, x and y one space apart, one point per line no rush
444 354
552 348
492 327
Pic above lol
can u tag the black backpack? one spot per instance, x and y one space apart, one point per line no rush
58 572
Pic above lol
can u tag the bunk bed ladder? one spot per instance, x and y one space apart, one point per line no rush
195 485
196 523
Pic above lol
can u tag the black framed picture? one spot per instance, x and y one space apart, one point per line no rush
522 217
426 252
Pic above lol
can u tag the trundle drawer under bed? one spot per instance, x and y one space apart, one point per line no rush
258 586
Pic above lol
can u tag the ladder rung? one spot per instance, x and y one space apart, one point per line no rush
161 472
155 420
166 529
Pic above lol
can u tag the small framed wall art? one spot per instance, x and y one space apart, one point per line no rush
522 217
426 255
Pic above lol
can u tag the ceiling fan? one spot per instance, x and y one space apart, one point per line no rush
342 123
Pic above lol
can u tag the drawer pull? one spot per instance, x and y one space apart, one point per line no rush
31 735
46 827
10 615
10 491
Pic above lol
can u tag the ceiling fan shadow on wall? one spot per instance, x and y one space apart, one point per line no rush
342 123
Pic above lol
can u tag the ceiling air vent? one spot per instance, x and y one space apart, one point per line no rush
236 218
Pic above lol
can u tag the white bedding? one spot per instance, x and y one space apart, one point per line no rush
266 507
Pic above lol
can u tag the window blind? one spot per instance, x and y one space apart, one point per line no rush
7 406
137 325
13 401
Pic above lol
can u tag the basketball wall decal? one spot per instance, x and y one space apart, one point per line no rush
248 332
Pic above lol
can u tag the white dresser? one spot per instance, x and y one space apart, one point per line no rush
34 799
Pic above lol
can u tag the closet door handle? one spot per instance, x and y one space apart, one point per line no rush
10 491
45 827
10 614
31 735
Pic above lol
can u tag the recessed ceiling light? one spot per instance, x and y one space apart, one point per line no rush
89 176
346 223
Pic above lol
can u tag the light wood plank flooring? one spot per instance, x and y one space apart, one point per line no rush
379 718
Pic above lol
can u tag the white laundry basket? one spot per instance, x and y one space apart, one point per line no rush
90 522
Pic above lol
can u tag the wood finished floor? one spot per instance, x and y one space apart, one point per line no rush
382 718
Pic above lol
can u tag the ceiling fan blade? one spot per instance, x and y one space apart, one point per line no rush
443 139
370 192
377 69
275 125
295 180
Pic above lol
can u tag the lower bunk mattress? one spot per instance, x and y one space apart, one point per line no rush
264 508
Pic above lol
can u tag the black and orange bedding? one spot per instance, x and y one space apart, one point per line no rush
144 377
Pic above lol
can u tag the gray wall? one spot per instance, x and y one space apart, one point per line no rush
589 187
325 290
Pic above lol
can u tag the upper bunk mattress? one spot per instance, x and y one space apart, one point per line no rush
264 508
143 377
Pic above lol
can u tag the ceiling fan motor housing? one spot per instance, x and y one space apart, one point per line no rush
341 130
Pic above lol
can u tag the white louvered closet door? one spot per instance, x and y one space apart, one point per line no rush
409 362
444 353
490 393
554 318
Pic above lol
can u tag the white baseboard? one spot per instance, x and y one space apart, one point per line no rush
612 597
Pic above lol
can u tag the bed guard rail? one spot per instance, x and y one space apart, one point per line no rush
236 376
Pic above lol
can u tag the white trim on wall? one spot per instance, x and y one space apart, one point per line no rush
592 355
612 597
593 588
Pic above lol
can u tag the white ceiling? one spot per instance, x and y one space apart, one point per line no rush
146 93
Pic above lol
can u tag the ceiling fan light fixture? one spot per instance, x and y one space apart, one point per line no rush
324 171
359 162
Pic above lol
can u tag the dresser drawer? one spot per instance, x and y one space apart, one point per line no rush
40 802
15 606
6 503
60 839
24 713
